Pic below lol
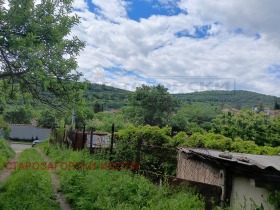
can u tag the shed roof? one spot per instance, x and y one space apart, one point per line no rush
260 161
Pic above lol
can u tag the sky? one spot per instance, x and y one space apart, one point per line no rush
185 45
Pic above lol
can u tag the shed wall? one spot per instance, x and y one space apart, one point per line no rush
197 171
245 196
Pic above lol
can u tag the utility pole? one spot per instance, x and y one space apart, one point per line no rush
73 117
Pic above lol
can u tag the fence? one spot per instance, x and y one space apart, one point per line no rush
155 162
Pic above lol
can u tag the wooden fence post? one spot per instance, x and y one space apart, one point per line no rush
91 136
112 142
84 136
61 140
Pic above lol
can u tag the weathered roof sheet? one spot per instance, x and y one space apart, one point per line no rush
261 161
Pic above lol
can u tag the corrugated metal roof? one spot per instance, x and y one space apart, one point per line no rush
261 161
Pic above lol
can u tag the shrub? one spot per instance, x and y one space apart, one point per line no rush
245 147
5 152
179 139
157 156
196 140
217 141
5 127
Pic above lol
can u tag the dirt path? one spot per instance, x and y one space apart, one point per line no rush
64 205
18 148
5 173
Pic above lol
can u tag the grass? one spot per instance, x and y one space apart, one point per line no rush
111 189
6 152
28 189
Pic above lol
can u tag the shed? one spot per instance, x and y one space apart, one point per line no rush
245 180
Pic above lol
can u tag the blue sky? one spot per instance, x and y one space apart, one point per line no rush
171 42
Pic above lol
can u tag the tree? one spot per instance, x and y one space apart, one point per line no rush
37 54
20 115
97 107
4 127
47 119
151 105
261 107
199 114
249 126
276 105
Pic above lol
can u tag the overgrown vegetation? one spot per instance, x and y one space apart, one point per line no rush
112 189
28 189
158 155
220 142
4 128
5 152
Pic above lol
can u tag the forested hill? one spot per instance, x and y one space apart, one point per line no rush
116 98
231 99
109 97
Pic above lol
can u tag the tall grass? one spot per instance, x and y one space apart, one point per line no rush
28 189
5 152
111 189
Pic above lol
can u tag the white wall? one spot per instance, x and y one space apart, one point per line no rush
245 195
28 131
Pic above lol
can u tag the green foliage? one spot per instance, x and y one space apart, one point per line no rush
111 189
274 199
5 128
196 140
245 146
220 142
194 117
20 115
5 152
47 119
37 51
97 107
229 99
151 106
157 154
248 126
107 97
103 121
179 139
276 105
217 141
28 189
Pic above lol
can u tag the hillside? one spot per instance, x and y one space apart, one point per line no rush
235 99
114 98
109 97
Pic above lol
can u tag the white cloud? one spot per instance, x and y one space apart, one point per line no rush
254 16
112 9
150 47
80 4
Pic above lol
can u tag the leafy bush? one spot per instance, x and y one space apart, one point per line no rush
111 189
249 126
5 152
245 147
5 127
28 189
179 139
220 142
217 141
157 155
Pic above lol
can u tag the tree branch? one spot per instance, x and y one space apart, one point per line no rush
9 65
